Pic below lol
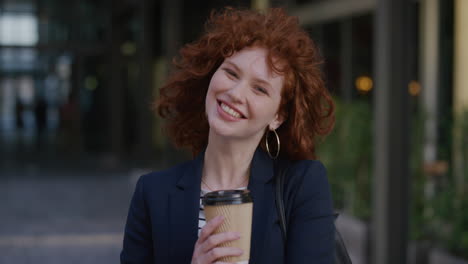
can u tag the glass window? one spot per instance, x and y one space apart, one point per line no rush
18 29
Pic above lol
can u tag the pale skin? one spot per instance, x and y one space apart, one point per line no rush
242 102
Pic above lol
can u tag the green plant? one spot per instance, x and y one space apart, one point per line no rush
346 153
450 204
418 203
439 203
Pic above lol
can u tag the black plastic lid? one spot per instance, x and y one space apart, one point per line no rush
227 197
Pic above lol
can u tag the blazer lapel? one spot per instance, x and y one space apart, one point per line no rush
261 173
184 209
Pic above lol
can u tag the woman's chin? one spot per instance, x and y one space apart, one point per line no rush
221 131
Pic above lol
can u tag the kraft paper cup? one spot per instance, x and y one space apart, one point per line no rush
237 207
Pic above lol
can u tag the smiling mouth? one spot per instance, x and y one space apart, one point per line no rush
228 110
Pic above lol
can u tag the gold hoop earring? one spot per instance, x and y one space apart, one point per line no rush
277 141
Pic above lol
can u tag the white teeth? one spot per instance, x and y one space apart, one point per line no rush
230 111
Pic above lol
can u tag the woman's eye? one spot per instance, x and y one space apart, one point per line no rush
261 89
230 73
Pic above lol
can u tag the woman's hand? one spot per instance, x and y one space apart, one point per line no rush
206 252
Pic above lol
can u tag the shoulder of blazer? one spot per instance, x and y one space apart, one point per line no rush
300 169
164 179
305 178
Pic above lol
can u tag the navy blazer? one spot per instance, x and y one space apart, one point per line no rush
162 223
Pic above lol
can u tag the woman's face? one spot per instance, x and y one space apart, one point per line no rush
244 96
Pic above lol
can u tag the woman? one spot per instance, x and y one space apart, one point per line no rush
249 78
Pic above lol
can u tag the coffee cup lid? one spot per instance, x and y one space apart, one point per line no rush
227 197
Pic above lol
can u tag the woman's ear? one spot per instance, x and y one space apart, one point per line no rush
276 122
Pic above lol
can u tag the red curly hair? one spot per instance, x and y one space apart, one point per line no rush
306 105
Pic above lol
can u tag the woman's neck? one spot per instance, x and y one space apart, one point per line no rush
227 163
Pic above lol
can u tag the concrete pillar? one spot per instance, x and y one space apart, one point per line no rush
460 91
429 72
144 93
171 27
347 59
171 38
317 12
391 133
460 95
260 4
115 89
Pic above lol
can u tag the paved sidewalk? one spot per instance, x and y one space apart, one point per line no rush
63 218
78 217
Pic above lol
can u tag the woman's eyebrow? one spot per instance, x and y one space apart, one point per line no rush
233 65
258 80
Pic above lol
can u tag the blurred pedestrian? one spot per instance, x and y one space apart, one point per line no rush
19 108
249 83
40 114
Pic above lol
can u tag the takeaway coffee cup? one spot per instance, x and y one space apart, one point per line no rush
236 206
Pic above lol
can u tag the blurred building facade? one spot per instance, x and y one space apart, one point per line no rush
95 65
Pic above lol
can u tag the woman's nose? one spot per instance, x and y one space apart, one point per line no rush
237 92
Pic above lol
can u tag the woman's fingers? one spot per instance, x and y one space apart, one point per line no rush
206 250
210 227
216 239
220 252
